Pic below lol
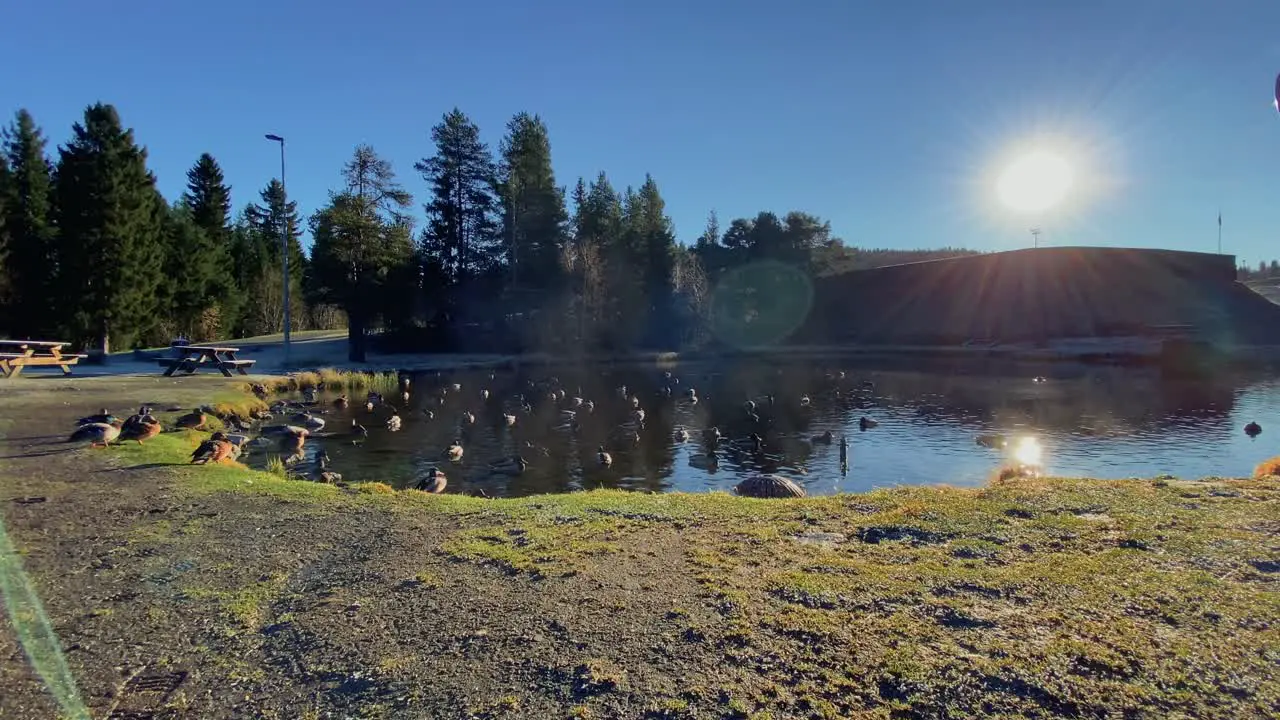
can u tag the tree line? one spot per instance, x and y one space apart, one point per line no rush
507 258
1264 271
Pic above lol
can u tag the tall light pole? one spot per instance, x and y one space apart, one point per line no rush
284 243
1035 237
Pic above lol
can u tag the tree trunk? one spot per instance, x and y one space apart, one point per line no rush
355 335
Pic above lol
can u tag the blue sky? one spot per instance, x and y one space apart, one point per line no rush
889 119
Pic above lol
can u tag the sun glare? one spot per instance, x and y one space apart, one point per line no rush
1035 182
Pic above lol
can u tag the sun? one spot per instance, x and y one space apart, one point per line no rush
1035 182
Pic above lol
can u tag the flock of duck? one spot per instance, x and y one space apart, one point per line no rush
617 421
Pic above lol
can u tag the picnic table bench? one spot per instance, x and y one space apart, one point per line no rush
188 358
18 354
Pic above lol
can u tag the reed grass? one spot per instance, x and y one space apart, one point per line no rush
334 380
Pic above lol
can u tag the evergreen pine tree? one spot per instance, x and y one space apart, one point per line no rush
208 199
461 239
267 220
28 226
6 292
363 240
110 250
195 271
532 205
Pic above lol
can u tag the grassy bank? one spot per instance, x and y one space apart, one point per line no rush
333 380
1073 598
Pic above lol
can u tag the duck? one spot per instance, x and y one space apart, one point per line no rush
512 466
368 406
635 401
603 458
309 396
433 482
428 414
622 391
638 416
749 406
865 424
589 406
341 402
691 394
484 395
454 451
711 436
805 401
468 418
393 423
103 417
576 401
404 397
216 449
321 471
373 397
193 420
509 419
704 461
143 414
294 439
358 430
769 486
311 422
825 438
991 441
1253 429
405 382
681 435
457 387
97 434
145 428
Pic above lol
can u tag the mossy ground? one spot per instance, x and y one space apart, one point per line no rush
1032 598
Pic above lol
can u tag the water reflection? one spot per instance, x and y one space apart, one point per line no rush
830 426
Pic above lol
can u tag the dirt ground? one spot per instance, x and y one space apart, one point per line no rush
170 598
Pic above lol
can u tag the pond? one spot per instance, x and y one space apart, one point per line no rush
1087 420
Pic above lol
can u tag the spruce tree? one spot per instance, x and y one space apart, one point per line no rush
208 199
461 239
111 225
532 205
28 225
267 220
195 271
362 242
6 293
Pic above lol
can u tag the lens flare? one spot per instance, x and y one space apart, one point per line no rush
1028 452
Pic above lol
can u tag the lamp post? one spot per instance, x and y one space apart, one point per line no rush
1035 237
284 243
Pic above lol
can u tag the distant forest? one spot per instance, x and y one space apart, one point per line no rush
507 259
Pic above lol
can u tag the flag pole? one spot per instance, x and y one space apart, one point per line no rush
1219 232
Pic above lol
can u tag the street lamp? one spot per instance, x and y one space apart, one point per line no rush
284 243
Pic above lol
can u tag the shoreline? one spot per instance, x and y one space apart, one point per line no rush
256 596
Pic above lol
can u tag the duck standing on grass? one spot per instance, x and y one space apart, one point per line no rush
144 428
97 434
216 449
193 420
433 482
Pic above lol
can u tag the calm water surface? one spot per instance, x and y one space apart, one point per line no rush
1089 421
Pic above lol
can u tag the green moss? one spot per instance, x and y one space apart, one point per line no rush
246 604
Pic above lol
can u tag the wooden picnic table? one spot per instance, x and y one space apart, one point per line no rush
188 358
18 354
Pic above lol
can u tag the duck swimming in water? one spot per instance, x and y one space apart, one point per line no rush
825 438
603 458
1253 429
